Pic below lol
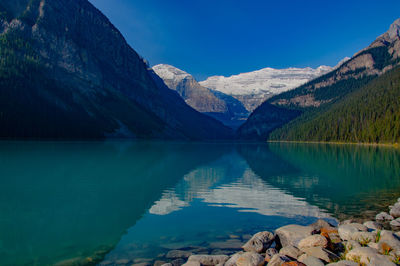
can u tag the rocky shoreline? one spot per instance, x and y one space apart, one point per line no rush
350 243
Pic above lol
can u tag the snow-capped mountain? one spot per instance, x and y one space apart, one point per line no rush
216 104
253 88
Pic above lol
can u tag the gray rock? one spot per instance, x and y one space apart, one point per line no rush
290 235
208 259
389 241
167 264
232 260
395 210
312 261
260 242
321 253
176 254
368 256
291 252
313 241
320 224
364 237
346 231
250 259
178 262
159 263
395 223
192 263
344 263
383 216
373 225
351 244
269 253
278 260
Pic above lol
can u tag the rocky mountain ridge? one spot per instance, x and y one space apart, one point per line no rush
253 88
216 104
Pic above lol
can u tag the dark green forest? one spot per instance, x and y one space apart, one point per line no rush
368 115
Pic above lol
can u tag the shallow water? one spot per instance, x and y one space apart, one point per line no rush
80 202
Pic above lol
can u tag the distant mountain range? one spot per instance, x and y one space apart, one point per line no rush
222 107
232 99
67 72
353 103
253 88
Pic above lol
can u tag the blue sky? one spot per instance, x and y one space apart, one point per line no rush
226 37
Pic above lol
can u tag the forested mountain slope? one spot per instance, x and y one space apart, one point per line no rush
306 102
67 72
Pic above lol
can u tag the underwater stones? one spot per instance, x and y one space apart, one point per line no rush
208 259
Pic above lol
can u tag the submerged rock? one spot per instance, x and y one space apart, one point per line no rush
260 242
208 259
176 254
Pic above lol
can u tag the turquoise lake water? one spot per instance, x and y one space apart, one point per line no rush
74 202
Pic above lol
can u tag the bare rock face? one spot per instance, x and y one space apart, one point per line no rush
218 105
84 80
313 241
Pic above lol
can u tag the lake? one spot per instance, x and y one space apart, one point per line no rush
133 202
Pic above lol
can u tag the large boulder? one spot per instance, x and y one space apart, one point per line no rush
291 252
312 261
321 253
395 210
208 260
368 256
250 259
383 216
260 242
346 231
278 260
291 235
320 224
388 242
313 241
373 225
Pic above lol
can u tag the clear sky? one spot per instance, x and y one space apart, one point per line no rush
226 37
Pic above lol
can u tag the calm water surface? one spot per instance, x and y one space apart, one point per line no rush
84 202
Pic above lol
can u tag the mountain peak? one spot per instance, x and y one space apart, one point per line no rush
394 30
168 72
